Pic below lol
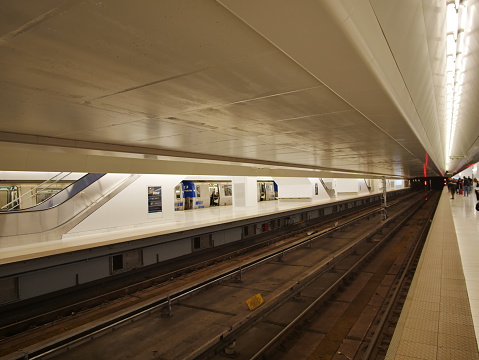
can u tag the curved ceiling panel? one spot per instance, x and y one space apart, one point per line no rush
350 86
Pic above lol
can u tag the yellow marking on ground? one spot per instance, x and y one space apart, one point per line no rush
254 301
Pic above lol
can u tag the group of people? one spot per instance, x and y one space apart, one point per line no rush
463 186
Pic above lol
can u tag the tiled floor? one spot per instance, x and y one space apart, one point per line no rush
437 319
466 223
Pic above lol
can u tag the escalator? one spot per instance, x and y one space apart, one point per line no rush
58 214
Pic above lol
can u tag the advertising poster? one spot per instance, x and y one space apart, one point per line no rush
154 199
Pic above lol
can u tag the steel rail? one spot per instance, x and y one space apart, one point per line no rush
393 300
109 295
65 342
333 287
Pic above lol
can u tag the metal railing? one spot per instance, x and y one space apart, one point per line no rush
33 191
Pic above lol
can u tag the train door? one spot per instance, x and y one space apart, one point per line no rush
189 192
261 191
269 191
214 192
226 193
179 203
202 196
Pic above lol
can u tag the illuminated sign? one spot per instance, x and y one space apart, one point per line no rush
154 199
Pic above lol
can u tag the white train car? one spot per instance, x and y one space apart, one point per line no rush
267 190
202 194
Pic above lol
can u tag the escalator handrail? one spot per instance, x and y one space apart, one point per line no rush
63 195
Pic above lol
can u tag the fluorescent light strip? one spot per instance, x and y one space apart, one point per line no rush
456 24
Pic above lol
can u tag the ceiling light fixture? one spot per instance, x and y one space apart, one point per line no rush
456 18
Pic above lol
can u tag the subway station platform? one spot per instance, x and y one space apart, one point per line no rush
440 319
181 221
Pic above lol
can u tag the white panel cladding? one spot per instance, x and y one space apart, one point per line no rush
129 208
244 191
347 186
321 193
294 188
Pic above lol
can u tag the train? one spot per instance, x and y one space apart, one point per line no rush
267 190
198 194
189 194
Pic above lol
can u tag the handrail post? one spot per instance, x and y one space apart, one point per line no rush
170 312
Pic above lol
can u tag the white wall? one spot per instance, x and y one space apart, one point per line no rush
294 188
130 207
466 172
245 191
399 184
347 186
322 194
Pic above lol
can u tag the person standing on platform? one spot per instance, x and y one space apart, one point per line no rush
465 186
476 189
452 187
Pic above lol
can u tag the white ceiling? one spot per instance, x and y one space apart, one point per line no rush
252 87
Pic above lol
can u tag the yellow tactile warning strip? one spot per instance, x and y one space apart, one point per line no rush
436 321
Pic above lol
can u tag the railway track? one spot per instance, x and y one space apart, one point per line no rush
356 316
18 317
171 304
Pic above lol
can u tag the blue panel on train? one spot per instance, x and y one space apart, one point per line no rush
189 189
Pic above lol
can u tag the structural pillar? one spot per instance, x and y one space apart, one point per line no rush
245 191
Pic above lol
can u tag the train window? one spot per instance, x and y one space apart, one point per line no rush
178 192
228 190
245 230
9 291
316 189
116 262
198 191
